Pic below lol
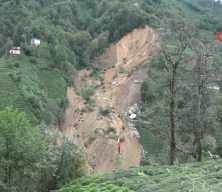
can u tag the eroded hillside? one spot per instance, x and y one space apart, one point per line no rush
98 118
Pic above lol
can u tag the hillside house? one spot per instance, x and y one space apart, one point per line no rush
35 42
213 86
15 51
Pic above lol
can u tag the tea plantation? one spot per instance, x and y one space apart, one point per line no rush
197 177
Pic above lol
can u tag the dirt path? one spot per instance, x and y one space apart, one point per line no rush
98 128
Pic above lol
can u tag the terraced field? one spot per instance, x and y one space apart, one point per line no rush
9 91
31 88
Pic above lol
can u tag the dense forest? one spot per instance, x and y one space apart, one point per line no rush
181 95
180 119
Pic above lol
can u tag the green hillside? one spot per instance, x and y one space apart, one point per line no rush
72 34
36 81
65 29
202 177
203 18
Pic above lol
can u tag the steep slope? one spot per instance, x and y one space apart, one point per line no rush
98 123
65 28
198 177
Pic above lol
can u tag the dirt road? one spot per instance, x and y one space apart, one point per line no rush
97 125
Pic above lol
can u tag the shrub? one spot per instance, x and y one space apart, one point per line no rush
21 150
96 74
87 93
105 111
15 76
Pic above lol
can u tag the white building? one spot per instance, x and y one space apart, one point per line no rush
15 51
214 86
35 42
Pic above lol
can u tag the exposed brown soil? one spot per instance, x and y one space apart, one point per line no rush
117 89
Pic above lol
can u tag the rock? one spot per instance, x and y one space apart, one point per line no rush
114 83
138 82
136 134
213 156
133 109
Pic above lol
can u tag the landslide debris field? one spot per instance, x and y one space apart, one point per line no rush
100 102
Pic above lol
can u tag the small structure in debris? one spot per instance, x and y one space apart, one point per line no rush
212 156
35 42
133 116
138 81
15 51
133 111
114 83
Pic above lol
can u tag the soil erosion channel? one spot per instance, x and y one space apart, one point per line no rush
100 124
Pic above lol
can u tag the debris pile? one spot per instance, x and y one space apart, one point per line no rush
132 112
131 116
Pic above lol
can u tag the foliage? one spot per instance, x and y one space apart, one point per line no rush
154 122
87 93
96 74
105 111
197 177
94 185
31 160
71 32
21 150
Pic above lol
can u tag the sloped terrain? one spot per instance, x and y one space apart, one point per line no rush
36 81
197 177
97 123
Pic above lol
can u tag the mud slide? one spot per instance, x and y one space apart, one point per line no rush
100 125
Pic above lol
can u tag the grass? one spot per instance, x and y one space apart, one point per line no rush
194 177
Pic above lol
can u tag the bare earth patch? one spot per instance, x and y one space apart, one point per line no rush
97 126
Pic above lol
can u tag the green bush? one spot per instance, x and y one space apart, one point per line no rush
105 111
95 187
197 177
31 160
96 74
87 93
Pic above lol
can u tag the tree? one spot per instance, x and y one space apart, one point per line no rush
202 77
80 44
62 163
160 91
31 160
70 163
21 149
173 58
